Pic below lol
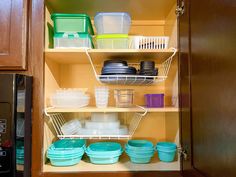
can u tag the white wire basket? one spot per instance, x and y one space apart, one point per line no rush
148 42
57 120
163 71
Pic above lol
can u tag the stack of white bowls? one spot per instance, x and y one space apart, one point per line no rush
101 96
67 98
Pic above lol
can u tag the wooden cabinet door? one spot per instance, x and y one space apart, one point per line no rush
212 89
13 30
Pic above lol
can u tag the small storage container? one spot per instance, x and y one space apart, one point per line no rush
166 151
112 23
104 152
154 100
104 117
124 97
112 41
72 23
72 40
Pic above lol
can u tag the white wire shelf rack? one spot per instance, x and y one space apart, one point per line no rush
57 120
163 71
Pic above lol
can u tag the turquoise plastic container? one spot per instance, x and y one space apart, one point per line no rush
166 151
65 162
139 151
104 152
66 152
140 160
72 23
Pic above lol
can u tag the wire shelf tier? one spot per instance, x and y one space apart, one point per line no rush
163 71
57 120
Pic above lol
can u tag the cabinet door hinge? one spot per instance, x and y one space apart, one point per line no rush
180 9
183 153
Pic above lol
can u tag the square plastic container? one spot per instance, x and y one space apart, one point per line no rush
154 100
112 41
72 40
124 97
112 23
72 23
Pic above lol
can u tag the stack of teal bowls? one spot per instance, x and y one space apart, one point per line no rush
20 152
166 151
139 151
104 152
66 152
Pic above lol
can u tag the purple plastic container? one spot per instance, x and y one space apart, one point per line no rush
154 100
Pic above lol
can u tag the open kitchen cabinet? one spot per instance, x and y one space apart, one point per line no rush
70 68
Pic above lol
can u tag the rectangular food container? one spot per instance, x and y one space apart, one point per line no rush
112 23
72 40
124 97
112 41
72 23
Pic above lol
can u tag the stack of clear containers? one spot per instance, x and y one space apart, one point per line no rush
139 151
103 124
66 152
67 98
101 96
104 152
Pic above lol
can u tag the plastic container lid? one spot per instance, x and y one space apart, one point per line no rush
104 148
104 117
166 146
102 125
139 145
108 36
71 127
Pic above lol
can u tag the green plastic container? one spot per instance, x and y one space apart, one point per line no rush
112 41
72 23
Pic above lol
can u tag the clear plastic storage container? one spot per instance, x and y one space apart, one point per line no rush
112 41
112 23
124 97
72 40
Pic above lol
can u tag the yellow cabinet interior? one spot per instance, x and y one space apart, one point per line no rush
71 69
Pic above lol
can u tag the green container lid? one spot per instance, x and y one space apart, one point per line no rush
108 36
72 23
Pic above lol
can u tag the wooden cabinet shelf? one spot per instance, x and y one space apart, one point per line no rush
110 109
78 56
123 165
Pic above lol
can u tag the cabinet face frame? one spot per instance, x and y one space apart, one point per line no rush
14 37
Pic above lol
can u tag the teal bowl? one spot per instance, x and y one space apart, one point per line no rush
166 146
103 160
139 145
140 160
166 155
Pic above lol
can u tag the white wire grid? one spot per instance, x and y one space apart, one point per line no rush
57 120
163 71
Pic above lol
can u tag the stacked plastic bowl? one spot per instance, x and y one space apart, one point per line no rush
20 152
139 151
66 152
71 128
166 151
104 152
